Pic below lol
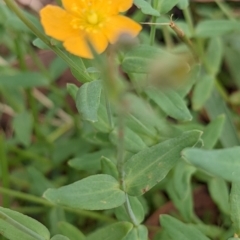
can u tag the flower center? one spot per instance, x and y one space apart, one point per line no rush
92 18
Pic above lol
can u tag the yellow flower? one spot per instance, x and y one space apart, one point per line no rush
96 20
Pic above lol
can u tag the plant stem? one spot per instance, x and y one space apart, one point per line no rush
188 17
120 149
120 163
109 111
153 26
19 226
225 9
167 37
30 155
130 211
4 169
81 71
60 131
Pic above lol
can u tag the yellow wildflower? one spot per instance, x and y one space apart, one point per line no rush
98 21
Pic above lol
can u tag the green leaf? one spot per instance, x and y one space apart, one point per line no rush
146 8
39 183
138 233
234 206
212 132
114 231
202 91
70 231
148 167
170 102
180 190
141 117
24 80
132 141
88 100
14 225
108 167
165 6
96 192
183 4
218 190
136 207
72 90
102 125
215 28
180 231
214 55
212 231
23 125
59 237
216 106
223 163
91 161
40 44
140 58
78 68
231 57
192 77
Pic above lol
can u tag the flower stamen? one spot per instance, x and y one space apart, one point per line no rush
92 18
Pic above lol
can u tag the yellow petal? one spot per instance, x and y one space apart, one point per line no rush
57 23
75 6
118 25
79 46
123 5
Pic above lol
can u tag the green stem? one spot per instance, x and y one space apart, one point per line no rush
120 149
188 17
120 164
109 111
19 226
225 9
167 37
29 155
59 132
80 69
4 169
153 26
29 210
130 211
38 200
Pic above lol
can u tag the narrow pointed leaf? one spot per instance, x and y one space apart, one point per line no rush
59 237
180 231
146 8
170 102
132 141
213 131
96 192
223 163
165 6
88 100
148 167
14 225
234 206
70 231
215 28
23 124
114 231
